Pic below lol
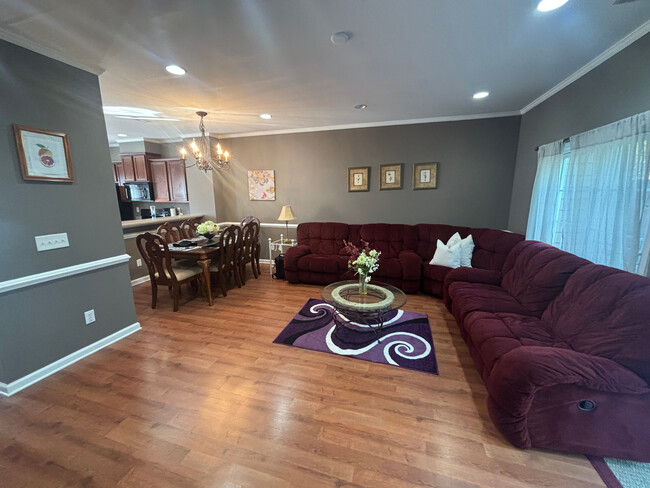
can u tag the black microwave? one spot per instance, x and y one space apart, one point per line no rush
137 192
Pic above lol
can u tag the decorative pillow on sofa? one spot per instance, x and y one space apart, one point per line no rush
466 250
447 255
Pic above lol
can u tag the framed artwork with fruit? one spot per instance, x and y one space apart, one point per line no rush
44 155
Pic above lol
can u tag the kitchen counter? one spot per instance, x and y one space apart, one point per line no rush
129 224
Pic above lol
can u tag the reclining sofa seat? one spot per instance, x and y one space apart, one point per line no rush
548 334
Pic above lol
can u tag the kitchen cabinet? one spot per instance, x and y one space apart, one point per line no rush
168 180
118 172
136 166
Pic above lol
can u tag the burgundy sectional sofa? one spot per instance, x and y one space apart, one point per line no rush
405 252
563 346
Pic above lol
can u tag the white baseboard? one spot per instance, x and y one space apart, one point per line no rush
44 372
142 279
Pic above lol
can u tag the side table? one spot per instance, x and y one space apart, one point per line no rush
278 245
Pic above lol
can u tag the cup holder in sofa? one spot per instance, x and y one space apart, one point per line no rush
587 405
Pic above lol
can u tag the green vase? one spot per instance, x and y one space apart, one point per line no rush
363 286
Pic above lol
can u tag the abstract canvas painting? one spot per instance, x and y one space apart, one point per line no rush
261 184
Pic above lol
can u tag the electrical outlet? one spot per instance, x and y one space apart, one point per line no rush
138 262
137 210
51 241
89 315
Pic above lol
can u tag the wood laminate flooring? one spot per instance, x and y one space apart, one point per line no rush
202 397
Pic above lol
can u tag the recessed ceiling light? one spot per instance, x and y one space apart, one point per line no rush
361 106
340 38
547 5
121 135
175 70
266 116
481 94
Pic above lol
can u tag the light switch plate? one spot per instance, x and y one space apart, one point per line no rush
51 241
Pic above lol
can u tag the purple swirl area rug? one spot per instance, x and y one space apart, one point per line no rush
405 339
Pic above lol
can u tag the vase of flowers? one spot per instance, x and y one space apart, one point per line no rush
207 229
364 262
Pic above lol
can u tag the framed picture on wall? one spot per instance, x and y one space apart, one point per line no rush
358 179
425 176
44 155
261 184
390 177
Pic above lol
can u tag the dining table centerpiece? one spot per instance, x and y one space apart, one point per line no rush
364 261
207 229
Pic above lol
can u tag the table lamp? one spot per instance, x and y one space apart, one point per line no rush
287 214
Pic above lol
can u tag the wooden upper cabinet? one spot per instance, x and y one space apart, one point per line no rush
129 170
159 180
177 180
140 167
118 172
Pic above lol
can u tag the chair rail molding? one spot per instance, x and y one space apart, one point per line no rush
56 274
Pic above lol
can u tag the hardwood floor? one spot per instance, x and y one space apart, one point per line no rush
202 397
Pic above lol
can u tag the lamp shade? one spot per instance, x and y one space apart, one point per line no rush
286 213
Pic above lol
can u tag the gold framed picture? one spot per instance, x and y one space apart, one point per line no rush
358 179
425 176
44 155
390 176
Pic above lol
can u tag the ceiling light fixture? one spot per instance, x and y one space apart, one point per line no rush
266 116
202 153
175 70
361 106
479 95
129 111
548 5
121 135
340 38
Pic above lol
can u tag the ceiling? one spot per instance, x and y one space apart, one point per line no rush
415 59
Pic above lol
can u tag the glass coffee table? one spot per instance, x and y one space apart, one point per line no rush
355 311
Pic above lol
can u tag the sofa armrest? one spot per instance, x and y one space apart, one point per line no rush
517 376
470 275
293 254
411 265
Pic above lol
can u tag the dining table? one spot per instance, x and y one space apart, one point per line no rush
203 252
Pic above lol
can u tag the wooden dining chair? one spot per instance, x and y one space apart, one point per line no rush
188 227
170 232
257 246
247 251
227 263
155 252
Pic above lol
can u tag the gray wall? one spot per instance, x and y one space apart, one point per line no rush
476 163
618 88
43 323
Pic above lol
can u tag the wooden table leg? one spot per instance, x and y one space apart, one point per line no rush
205 264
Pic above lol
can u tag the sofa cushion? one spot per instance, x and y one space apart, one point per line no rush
390 267
491 247
325 238
496 334
535 273
323 264
605 312
472 297
390 239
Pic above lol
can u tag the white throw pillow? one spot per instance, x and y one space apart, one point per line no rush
466 250
445 255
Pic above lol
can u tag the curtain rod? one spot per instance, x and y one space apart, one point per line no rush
565 140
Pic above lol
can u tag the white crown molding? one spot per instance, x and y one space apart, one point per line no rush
44 372
636 34
56 274
365 125
46 51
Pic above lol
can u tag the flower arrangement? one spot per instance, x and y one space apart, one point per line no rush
363 261
207 229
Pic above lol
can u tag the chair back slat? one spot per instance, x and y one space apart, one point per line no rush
155 252
188 227
170 232
229 243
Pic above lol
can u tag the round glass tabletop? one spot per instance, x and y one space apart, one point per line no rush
344 295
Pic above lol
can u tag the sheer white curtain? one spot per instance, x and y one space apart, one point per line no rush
545 204
602 203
